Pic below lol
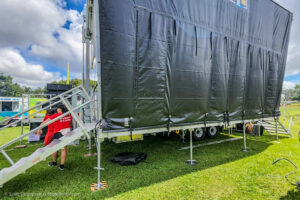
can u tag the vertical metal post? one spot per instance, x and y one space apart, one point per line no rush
22 116
87 66
259 127
99 161
191 161
290 124
83 42
98 58
90 146
245 142
276 127
99 80
74 104
284 109
21 132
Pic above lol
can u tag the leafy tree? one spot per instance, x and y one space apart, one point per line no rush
296 95
8 88
75 82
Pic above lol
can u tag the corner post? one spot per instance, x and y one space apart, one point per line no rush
276 127
245 139
191 161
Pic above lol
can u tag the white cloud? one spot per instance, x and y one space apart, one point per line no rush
36 28
26 74
26 23
66 47
293 62
289 85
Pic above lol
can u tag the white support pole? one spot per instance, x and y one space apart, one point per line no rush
276 127
22 116
290 124
87 66
22 131
90 147
229 131
259 127
245 142
191 161
99 159
98 58
7 157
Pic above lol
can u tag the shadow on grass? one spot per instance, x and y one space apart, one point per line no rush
164 162
291 195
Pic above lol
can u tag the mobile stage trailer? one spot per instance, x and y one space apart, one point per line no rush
174 65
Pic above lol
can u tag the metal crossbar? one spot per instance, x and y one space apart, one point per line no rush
70 111
52 99
36 112
77 119
41 126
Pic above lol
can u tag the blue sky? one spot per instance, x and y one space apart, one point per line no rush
75 4
40 38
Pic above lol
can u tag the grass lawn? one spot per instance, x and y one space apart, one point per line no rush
223 170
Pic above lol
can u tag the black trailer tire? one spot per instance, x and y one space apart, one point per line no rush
199 134
212 132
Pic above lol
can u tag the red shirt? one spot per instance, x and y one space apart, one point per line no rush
50 126
50 132
62 123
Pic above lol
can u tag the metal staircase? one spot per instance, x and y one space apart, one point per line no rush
41 154
273 126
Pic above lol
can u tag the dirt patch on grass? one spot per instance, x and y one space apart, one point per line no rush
294 106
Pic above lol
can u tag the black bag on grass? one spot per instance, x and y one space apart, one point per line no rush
129 158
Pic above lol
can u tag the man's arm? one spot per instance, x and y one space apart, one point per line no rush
40 132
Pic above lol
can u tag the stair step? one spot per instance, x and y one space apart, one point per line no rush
279 132
272 128
40 154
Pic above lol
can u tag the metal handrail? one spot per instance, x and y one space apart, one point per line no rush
7 157
285 128
54 98
36 112
42 126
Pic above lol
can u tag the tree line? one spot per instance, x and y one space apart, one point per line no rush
10 89
296 93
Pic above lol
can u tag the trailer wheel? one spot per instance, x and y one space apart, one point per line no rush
212 132
199 134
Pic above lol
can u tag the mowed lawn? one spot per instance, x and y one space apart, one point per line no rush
223 170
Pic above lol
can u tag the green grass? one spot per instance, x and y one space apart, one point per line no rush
223 170
11 133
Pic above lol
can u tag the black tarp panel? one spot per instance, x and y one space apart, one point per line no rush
174 62
236 83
